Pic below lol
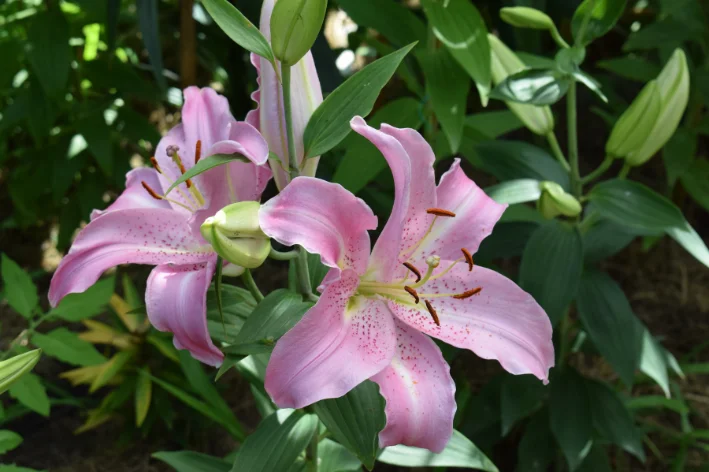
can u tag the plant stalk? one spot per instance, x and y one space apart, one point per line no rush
312 453
571 117
556 150
605 165
303 274
250 283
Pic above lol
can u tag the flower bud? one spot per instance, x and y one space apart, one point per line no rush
235 234
505 63
526 17
11 370
555 201
635 124
295 25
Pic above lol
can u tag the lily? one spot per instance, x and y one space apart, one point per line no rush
377 310
269 116
143 226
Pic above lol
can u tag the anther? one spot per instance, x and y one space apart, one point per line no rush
468 259
412 292
440 212
433 313
468 293
155 164
152 192
198 151
414 270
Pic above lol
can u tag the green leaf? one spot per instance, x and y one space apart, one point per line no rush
330 122
612 419
9 440
605 239
551 267
596 461
288 430
271 319
206 164
494 124
68 347
335 457
11 370
515 191
20 291
459 452
188 461
604 14
653 362
395 22
80 306
150 30
508 240
532 87
239 28
111 369
678 156
143 396
660 34
50 53
459 26
631 67
509 160
14 468
536 448
657 402
362 161
98 137
610 322
696 182
520 396
30 391
447 85
570 416
355 420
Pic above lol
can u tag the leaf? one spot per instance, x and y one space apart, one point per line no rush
143 396
509 160
335 457
113 8
14 468
653 362
660 34
355 420
239 28
532 87
330 122
515 191
111 369
11 370
612 419
50 53
362 161
9 440
570 416
679 156
520 396
206 164
98 137
508 240
80 306
30 391
395 22
68 347
494 124
459 26
447 85
551 267
20 291
150 29
604 14
290 430
696 182
605 239
610 322
459 452
536 448
631 67
596 461
271 319
189 461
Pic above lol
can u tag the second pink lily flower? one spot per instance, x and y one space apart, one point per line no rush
376 309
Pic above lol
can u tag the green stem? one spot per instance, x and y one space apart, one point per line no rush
565 341
605 165
282 256
556 150
25 334
303 274
312 453
571 118
287 108
250 283
584 24
624 171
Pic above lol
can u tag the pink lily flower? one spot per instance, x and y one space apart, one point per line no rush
144 227
269 116
377 310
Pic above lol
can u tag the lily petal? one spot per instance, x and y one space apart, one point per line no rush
176 301
135 195
476 215
338 344
139 236
502 322
324 218
419 393
411 161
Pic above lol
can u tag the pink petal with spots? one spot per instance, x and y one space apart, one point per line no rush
502 322
324 218
135 195
419 393
136 236
411 161
476 215
338 344
176 301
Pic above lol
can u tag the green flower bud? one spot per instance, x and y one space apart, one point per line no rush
11 370
235 234
525 17
505 63
295 25
554 201
673 88
635 124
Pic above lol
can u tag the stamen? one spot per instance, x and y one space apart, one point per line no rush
412 292
152 192
440 212
414 270
468 293
155 164
433 313
468 259
198 151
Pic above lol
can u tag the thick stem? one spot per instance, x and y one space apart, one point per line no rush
303 274
24 335
250 283
282 256
188 44
624 172
312 453
556 150
288 110
605 165
573 140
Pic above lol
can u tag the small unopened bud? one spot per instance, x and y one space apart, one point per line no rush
11 370
555 201
433 261
526 17
635 124
295 25
235 234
